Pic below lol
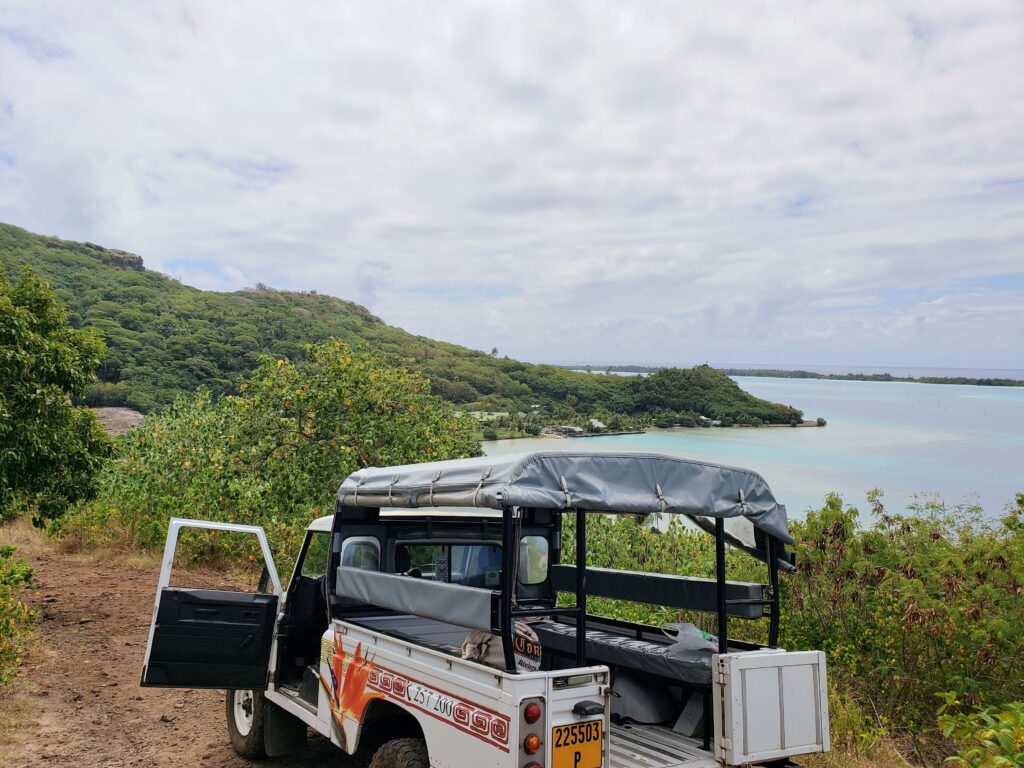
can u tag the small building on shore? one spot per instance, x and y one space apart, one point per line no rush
561 430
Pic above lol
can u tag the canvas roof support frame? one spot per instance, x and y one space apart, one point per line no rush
613 483
716 497
508 611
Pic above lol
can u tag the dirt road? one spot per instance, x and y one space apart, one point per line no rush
77 700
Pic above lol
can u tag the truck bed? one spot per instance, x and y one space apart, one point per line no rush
652 746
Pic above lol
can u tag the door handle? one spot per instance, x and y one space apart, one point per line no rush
206 611
249 640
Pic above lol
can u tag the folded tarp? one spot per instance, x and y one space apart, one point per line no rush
638 484
452 603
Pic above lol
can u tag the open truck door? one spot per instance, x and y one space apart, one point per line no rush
209 638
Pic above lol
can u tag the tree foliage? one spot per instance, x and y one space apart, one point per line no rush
165 339
274 455
49 449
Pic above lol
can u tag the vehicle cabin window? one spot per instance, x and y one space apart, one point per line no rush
471 565
361 552
533 560
314 564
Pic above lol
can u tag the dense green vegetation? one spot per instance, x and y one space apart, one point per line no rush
273 455
49 449
165 339
987 737
15 616
908 608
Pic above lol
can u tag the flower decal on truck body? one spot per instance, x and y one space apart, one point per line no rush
345 684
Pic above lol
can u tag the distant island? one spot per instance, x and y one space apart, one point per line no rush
780 373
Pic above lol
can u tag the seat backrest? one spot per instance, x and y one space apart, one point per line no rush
686 593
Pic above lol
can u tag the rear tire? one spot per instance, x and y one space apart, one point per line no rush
401 753
246 722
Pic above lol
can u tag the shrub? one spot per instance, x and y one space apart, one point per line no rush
911 606
15 616
274 455
990 737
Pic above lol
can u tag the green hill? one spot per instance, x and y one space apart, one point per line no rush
164 338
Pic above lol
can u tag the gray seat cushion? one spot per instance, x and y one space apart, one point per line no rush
618 650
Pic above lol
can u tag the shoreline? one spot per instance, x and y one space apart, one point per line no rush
551 436
796 373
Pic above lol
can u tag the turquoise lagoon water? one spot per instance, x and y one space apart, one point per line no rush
962 443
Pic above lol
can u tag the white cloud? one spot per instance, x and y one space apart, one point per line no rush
658 181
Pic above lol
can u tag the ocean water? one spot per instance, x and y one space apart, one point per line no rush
964 444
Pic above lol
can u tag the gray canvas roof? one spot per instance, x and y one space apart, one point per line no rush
601 482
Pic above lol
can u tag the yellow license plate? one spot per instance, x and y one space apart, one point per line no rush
577 745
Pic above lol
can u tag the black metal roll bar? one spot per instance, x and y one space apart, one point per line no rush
508 613
771 603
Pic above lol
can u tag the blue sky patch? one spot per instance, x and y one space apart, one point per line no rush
32 46
257 168
799 205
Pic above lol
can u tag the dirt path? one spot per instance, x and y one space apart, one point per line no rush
77 701
118 421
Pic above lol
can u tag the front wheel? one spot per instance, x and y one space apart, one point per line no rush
401 753
245 722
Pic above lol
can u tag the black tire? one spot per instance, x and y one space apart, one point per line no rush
246 736
401 753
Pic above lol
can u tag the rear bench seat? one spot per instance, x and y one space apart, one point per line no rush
607 645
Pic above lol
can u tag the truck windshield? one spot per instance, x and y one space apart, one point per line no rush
472 565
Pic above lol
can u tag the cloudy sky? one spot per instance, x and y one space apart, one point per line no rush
792 183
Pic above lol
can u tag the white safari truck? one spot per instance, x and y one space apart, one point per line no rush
431 621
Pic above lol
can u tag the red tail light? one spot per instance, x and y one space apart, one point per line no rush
532 725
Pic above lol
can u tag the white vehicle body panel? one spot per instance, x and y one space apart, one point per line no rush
471 709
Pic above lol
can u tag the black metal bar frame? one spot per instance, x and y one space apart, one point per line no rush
773 582
508 614
508 553
723 616
581 588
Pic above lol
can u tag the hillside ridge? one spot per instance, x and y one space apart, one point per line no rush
165 338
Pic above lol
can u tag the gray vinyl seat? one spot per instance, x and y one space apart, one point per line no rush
618 650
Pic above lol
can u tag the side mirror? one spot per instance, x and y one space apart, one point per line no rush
264 581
